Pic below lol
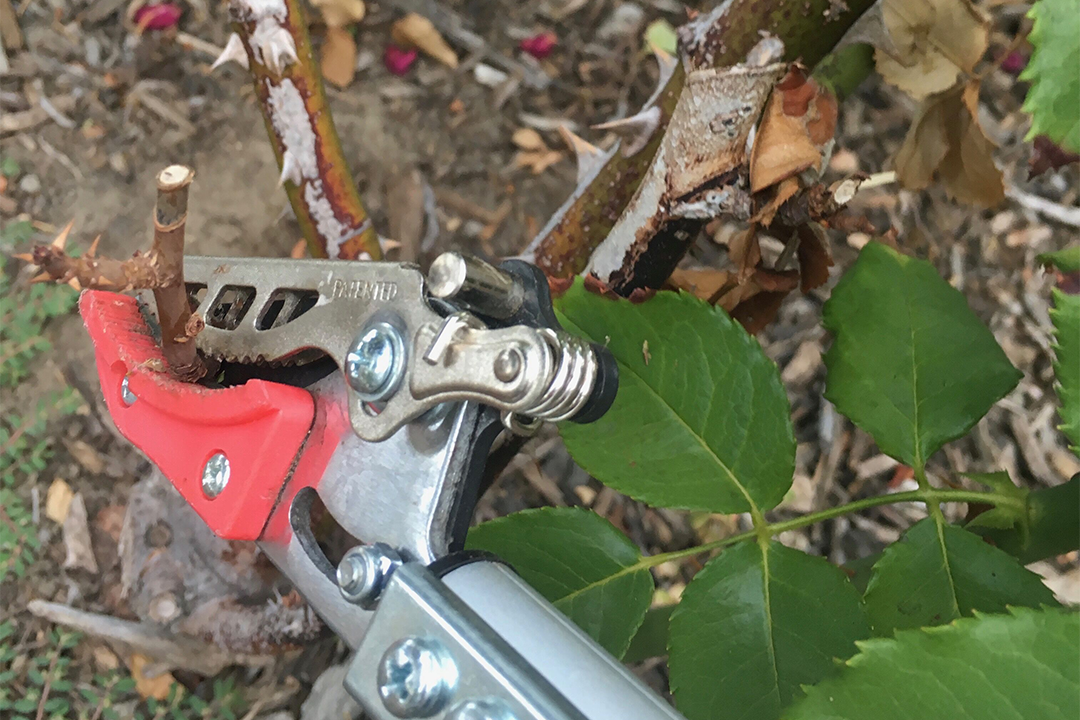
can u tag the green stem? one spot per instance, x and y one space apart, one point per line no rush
929 496
933 506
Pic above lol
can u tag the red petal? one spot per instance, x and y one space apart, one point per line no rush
540 46
158 17
398 60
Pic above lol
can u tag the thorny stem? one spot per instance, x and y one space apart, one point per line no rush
931 497
314 172
178 325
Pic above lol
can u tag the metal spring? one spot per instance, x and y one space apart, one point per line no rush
571 383
568 386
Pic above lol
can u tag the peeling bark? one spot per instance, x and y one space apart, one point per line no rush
316 177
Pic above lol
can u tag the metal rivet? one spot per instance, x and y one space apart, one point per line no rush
447 275
126 395
375 362
508 364
484 709
364 570
416 678
215 475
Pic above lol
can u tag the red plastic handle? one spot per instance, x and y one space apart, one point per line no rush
259 426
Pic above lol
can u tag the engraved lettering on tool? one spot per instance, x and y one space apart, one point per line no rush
369 290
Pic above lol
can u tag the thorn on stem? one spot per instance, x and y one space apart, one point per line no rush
635 130
233 52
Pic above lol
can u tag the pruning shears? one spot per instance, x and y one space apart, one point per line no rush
378 391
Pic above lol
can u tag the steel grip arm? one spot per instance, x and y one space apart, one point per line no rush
472 641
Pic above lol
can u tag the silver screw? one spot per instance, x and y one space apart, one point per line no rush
126 395
364 571
508 364
485 709
416 678
215 475
376 361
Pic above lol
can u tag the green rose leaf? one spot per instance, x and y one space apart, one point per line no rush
580 563
910 363
1049 528
1054 96
755 625
1067 260
1066 318
701 420
1021 666
937 573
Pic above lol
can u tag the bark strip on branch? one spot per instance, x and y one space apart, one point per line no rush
321 189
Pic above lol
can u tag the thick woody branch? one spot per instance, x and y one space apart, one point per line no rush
809 29
272 40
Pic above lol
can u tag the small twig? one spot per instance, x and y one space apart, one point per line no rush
193 42
58 117
48 685
61 158
179 652
1064 215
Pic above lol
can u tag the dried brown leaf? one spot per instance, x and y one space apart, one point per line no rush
417 31
703 283
799 120
537 160
58 501
339 13
156 686
814 257
777 195
935 41
338 57
946 138
528 139
76 533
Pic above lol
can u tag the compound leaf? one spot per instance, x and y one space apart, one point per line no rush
756 624
1020 666
580 563
1054 97
701 420
910 363
937 573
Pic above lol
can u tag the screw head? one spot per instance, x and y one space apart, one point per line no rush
508 364
364 570
416 677
375 362
126 395
215 475
483 709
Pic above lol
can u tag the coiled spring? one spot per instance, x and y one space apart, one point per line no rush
568 388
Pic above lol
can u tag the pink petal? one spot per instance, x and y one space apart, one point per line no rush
540 46
1014 62
158 16
398 60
